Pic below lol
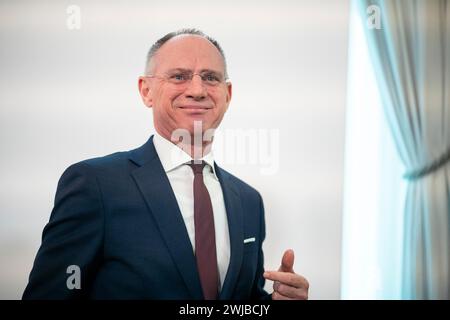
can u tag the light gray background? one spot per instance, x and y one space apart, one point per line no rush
70 95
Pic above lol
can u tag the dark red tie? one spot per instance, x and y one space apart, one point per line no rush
205 239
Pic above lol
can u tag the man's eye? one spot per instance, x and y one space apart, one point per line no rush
179 77
211 78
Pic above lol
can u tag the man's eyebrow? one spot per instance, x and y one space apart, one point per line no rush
189 70
178 70
210 70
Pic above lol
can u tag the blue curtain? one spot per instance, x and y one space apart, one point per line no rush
409 45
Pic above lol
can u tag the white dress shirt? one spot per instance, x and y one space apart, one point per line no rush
181 178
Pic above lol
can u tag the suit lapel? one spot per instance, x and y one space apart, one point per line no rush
236 230
158 194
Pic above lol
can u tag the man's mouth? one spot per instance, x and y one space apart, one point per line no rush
195 107
195 110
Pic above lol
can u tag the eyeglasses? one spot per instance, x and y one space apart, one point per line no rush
209 78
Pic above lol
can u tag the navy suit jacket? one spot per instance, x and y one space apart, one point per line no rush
117 219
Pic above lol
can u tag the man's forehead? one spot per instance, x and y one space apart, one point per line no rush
186 47
188 41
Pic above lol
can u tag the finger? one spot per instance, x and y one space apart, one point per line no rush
287 262
276 284
279 296
292 292
292 279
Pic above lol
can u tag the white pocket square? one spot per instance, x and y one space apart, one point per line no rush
249 240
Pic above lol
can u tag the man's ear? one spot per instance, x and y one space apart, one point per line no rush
229 93
145 92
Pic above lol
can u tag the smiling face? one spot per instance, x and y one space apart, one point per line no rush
177 104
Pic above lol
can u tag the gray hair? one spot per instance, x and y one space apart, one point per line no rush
190 31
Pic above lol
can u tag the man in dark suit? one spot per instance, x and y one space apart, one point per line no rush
163 221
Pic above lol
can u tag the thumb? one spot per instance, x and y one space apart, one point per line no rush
287 262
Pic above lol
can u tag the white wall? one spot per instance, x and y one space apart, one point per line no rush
68 95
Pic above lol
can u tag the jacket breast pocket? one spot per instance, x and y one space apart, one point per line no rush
250 247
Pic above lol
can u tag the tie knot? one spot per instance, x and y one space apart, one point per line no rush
197 167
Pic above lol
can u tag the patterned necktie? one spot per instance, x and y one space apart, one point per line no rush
205 240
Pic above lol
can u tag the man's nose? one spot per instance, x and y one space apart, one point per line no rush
196 89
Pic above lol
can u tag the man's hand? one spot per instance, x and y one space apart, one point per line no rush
287 285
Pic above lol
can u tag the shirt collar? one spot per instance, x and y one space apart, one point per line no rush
172 156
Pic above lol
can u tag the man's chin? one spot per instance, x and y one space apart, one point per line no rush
193 129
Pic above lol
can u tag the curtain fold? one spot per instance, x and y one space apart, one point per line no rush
411 56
